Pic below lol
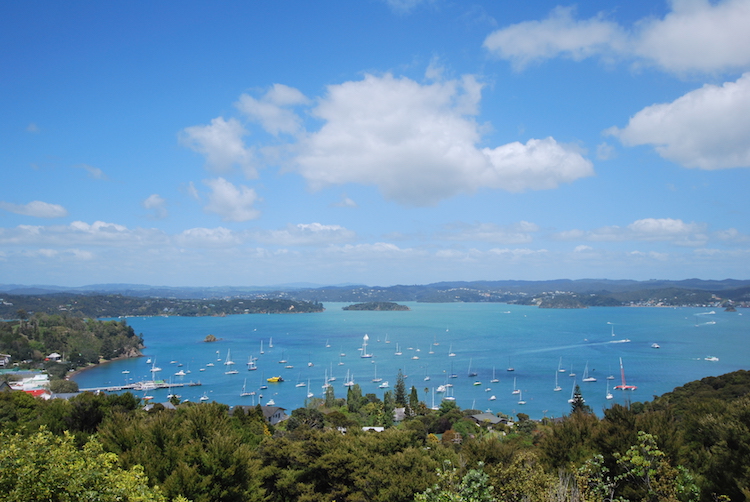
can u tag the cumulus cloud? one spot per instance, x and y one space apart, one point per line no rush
519 233
272 109
157 205
418 143
230 202
80 233
671 230
208 238
708 128
307 234
35 208
695 36
559 34
222 145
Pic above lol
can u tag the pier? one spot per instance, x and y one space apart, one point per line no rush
141 386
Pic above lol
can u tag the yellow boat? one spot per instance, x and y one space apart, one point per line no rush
274 379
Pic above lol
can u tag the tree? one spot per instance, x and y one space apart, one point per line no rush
400 390
473 487
579 404
48 467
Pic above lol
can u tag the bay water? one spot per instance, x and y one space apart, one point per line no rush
485 338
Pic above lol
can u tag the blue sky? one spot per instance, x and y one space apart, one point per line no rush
374 142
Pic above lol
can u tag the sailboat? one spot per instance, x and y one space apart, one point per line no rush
270 343
510 368
494 378
244 392
309 392
560 369
520 398
261 347
349 382
452 375
515 389
376 379
364 347
572 392
471 373
299 383
624 386
229 362
450 351
251 364
282 360
609 394
557 386
586 377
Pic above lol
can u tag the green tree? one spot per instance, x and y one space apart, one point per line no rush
400 390
473 487
48 467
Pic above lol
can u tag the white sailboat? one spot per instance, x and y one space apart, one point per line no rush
609 394
516 390
364 347
520 398
244 391
494 378
376 379
261 347
586 377
471 373
557 386
572 392
349 382
450 351
309 392
228 361
270 343
560 369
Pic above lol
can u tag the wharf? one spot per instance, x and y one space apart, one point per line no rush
139 386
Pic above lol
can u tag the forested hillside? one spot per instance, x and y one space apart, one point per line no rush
690 444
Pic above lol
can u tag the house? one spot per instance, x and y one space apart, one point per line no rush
488 419
54 357
272 414
4 360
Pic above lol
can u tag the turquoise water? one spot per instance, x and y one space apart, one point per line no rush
484 337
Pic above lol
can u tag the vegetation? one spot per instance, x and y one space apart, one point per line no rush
78 341
17 306
692 444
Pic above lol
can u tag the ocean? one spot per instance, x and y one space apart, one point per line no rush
485 338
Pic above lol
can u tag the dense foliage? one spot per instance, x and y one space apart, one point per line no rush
17 306
692 444
80 341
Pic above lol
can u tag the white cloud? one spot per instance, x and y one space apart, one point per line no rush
80 233
230 202
695 36
307 234
93 172
559 34
222 144
418 143
157 205
271 110
708 128
671 230
345 202
35 208
208 238
518 233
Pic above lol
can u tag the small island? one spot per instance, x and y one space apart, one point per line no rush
376 306
210 338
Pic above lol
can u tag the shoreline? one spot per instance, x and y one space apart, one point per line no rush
73 373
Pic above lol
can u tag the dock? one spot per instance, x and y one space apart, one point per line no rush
141 386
